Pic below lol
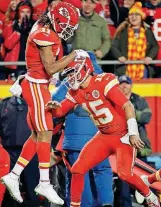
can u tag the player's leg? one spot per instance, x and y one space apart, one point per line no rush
4 169
148 180
43 124
95 151
36 96
154 177
28 151
87 198
125 160
11 180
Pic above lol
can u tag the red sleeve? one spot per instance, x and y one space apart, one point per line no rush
66 106
45 37
11 38
117 96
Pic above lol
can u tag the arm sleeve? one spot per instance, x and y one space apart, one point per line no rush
153 51
143 114
12 40
106 40
116 96
66 106
44 39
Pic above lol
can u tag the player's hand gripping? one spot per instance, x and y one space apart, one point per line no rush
136 142
81 53
52 105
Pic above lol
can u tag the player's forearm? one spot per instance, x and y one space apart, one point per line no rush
63 109
58 112
52 66
59 65
131 119
129 110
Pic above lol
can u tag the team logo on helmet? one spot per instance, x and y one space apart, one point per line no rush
95 94
64 12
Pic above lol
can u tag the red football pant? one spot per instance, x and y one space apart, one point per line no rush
94 152
37 95
4 169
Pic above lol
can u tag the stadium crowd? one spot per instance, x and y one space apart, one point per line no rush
111 30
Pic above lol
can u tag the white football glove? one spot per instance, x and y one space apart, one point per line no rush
16 89
81 53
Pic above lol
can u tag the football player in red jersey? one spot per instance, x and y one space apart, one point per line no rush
114 115
41 53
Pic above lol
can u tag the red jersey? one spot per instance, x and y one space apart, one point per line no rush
104 101
2 19
40 36
156 14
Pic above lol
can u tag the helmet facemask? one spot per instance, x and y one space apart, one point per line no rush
67 30
76 75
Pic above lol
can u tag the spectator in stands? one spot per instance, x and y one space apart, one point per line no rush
6 18
152 10
118 12
4 168
14 132
15 37
143 117
11 11
92 34
79 129
142 110
103 9
134 41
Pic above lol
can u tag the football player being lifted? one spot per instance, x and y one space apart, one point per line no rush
114 115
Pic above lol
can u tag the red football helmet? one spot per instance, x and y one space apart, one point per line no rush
77 71
64 18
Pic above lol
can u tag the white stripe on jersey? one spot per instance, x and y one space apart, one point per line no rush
68 96
43 43
110 85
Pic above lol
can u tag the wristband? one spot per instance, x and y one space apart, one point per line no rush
132 127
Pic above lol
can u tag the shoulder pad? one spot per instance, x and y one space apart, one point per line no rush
110 80
105 77
109 76
45 37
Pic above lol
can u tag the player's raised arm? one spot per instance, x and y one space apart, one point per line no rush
52 66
